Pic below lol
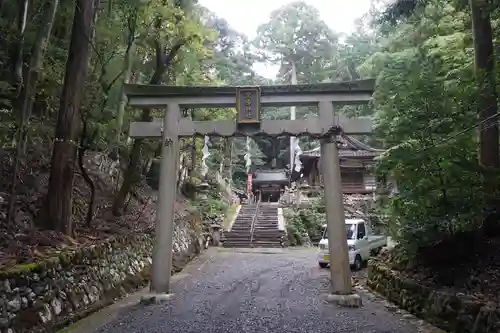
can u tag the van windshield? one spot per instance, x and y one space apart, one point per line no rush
349 229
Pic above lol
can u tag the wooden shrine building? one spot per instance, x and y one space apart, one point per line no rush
356 161
269 185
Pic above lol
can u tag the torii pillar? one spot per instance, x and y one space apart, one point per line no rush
248 101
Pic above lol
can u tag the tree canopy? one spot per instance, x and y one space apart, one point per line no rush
61 95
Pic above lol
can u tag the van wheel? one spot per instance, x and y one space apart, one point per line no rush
323 265
358 263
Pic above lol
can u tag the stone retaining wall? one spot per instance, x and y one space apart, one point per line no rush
450 312
45 296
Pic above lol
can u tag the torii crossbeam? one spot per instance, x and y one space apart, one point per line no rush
249 101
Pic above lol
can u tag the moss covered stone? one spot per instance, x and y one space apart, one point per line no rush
447 311
57 291
20 270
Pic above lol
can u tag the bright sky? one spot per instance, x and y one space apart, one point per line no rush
246 15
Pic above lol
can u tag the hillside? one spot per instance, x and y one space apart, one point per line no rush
23 242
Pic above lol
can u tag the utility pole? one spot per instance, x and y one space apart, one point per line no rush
293 111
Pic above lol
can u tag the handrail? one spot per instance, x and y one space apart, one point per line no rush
252 227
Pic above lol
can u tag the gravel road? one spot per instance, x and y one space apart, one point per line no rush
240 291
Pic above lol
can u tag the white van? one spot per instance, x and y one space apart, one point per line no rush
362 243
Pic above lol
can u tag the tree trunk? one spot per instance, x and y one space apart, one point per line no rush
127 71
489 155
36 61
26 98
58 209
132 174
17 63
120 112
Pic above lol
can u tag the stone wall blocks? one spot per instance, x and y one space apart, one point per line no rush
57 291
450 312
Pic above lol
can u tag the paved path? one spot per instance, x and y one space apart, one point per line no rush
248 291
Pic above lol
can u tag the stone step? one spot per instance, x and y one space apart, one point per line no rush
244 233
266 229
266 244
267 237
269 241
267 232
238 234
270 228
243 245
237 241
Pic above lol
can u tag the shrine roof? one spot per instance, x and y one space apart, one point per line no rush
348 147
146 90
278 176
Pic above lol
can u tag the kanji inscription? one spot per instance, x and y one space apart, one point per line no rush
168 142
248 105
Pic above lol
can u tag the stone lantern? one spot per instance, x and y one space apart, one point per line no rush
215 232
203 190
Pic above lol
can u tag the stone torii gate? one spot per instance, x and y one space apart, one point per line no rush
249 101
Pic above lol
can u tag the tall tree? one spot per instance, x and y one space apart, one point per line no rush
173 31
297 37
17 59
296 33
489 152
58 209
26 97
484 64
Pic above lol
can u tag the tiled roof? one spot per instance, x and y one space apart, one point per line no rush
264 176
348 147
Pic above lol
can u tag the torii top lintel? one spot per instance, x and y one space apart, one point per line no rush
151 96
323 95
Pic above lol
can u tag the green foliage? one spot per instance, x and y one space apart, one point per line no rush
296 33
308 220
425 101
213 207
229 215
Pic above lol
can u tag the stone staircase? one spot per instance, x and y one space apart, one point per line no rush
241 231
266 231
